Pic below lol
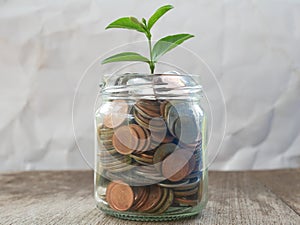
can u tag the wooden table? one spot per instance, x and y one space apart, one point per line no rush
66 197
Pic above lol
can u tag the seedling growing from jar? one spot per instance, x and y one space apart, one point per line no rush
160 48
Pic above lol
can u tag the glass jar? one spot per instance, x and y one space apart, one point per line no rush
150 147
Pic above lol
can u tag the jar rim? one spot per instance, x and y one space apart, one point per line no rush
152 85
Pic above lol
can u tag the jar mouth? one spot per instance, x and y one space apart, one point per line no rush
152 86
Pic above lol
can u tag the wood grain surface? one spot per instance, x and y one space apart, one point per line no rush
66 197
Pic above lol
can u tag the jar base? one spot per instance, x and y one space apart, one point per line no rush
171 215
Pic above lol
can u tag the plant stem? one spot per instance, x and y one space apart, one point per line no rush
151 63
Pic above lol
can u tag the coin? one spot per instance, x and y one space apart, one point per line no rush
141 158
142 199
150 176
192 183
125 140
175 167
192 164
140 120
119 195
155 195
147 173
172 117
143 136
168 203
148 111
147 155
118 113
194 174
188 192
115 163
148 103
150 107
166 108
162 108
107 152
121 168
200 191
162 136
187 130
185 201
157 124
161 153
161 202
142 113
139 192
181 183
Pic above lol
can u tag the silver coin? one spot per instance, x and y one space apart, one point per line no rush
173 185
191 184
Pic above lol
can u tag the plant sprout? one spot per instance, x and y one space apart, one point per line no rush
160 48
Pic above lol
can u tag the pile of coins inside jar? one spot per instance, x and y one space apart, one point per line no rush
150 155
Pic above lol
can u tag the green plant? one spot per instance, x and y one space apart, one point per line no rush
160 48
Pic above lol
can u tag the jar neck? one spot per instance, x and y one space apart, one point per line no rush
154 86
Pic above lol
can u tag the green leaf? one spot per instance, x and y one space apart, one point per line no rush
159 13
130 23
166 44
125 56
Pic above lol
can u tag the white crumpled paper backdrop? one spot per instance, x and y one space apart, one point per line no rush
252 46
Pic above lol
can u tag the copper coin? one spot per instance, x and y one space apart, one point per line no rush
147 105
144 118
162 201
140 121
119 196
175 167
185 201
138 194
125 140
155 195
147 156
190 156
142 199
141 135
192 163
153 109
142 113
118 113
